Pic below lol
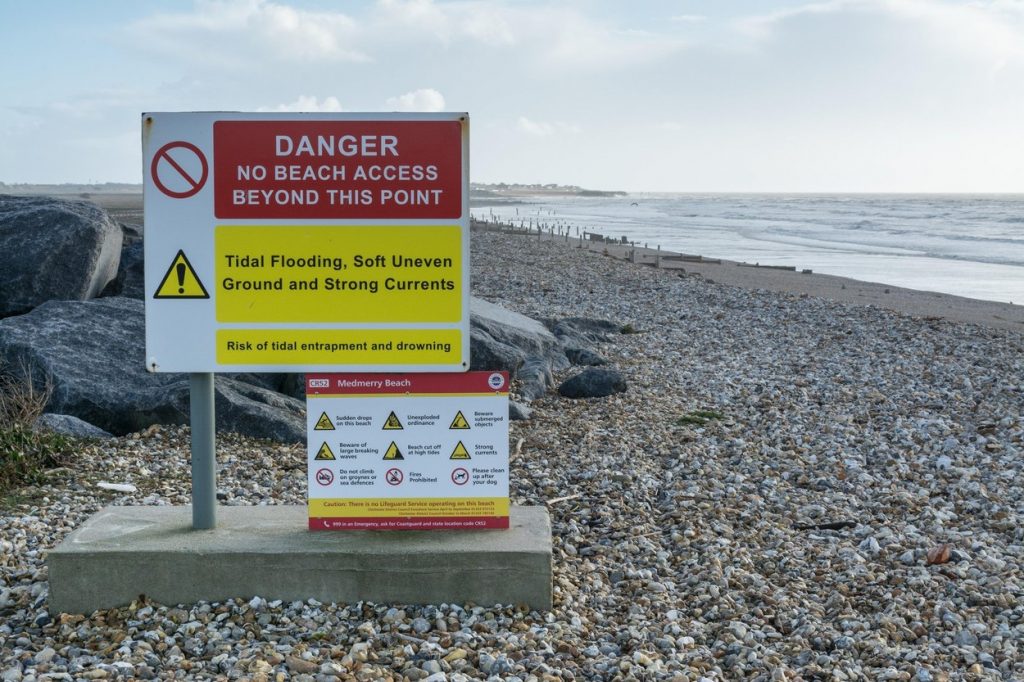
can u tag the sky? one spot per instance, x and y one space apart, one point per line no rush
663 95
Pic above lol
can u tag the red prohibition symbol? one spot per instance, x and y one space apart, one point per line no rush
324 476
173 173
460 476
394 476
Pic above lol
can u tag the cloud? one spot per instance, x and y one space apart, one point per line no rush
554 38
425 99
688 18
308 103
545 129
991 30
246 32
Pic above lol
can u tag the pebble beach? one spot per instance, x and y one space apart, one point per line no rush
791 488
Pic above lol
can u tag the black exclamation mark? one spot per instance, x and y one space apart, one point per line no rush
180 267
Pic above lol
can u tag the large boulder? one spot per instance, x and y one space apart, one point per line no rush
593 383
54 249
93 355
130 280
578 335
501 339
525 334
67 425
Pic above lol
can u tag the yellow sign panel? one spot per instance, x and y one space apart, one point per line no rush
460 452
305 347
459 422
324 423
392 423
334 273
181 280
325 453
409 506
393 452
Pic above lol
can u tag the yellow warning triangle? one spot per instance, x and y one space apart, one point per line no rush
324 423
324 453
460 452
393 452
181 281
392 423
459 422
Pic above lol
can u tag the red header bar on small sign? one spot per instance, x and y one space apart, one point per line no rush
322 169
456 383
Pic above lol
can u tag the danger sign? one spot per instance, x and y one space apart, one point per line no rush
338 168
302 242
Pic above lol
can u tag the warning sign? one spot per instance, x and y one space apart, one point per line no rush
324 423
393 452
326 242
404 477
181 280
324 453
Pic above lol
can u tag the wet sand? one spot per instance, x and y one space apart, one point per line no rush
912 302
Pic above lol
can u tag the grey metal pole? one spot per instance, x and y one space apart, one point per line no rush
204 452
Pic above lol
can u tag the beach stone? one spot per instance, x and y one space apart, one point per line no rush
582 331
488 353
93 354
534 378
593 383
130 279
522 332
584 356
517 411
505 340
54 249
68 425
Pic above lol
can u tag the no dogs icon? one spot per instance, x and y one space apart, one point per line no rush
179 169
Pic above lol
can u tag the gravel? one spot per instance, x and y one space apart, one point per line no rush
790 488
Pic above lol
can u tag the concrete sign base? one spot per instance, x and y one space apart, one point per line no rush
122 552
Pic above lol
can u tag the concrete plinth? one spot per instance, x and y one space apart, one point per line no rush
122 552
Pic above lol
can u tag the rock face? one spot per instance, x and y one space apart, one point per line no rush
593 383
505 340
502 339
54 249
93 353
130 280
67 425
531 351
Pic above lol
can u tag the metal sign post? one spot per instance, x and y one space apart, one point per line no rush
204 449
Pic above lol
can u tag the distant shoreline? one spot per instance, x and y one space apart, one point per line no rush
127 207
928 305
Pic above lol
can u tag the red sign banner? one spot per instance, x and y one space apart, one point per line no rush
346 170
464 383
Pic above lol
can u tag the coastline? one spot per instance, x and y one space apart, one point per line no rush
912 302
787 489
127 207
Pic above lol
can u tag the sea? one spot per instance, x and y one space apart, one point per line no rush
968 245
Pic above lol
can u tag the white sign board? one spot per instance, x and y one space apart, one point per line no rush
408 451
306 242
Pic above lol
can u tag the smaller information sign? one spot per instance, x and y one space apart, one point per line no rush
407 451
